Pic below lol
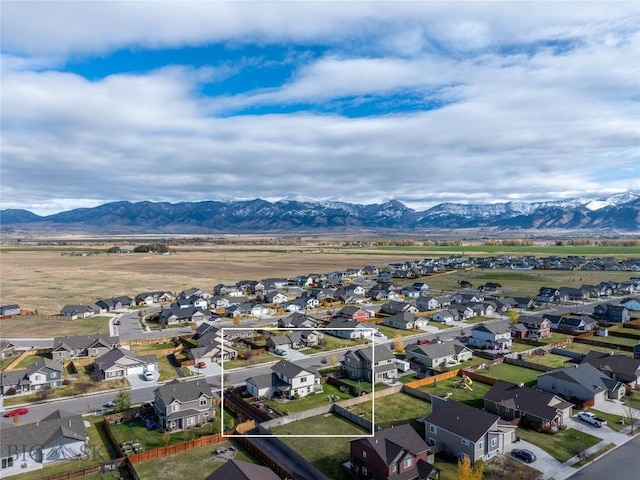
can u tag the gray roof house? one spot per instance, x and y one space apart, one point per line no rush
58 436
285 380
181 405
41 374
583 383
494 336
78 346
80 310
437 355
618 367
120 363
238 470
523 405
458 429
371 364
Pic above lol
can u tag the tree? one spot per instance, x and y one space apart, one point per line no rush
398 346
468 472
631 416
96 376
122 401
513 317
44 393
166 437
334 360
81 387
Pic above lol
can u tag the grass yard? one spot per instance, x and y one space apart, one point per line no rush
472 397
478 319
27 361
511 373
36 326
310 401
549 360
333 343
392 333
561 445
395 409
585 349
328 454
254 360
613 421
629 342
633 400
193 464
554 337
520 347
151 347
166 368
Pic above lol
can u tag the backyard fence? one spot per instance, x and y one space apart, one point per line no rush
25 354
611 346
160 452
434 379
86 471
531 365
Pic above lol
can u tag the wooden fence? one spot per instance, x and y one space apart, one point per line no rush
611 346
480 378
431 380
86 471
525 364
25 354
160 452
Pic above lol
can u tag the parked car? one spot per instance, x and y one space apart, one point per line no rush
422 341
110 404
524 455
279 351
148 376
202 365
592 419
17 412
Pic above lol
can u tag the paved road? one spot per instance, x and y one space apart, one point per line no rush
623 463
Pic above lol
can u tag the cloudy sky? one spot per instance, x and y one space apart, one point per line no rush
422 102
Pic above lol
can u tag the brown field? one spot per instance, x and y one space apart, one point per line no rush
46 280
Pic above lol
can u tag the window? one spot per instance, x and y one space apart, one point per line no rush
480 445
433 429
203 402
494 442
394 467
7 462
191 420
175 407
465 441
53 374
303 379
364 470
364 454
408 462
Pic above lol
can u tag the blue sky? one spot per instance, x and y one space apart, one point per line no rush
422 102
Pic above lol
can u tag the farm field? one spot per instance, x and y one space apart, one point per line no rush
327 454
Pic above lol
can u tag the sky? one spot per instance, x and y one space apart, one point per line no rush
422 102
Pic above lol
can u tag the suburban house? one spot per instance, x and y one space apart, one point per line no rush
548 295
458 429
445 316
583 383
7 349
44 373
612 313
354 313
7 310
298 320
286 380
493 336
574 324
238 470
345 328
180 405
523 405
294 340
393 453
114 303
631 303
153 298
438 355
618 367
175 315
372 364
425 304
121 363
404 321
80 311
394 308
536 325
58 436
79 346
214 352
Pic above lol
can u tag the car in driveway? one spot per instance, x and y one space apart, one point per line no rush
523 454
17 412
148 376
279 351
592 419
202 365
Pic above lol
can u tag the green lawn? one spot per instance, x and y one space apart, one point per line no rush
192 464
554 337
473 397
255 360
328 454
613 421
27 361
395 409
166 368
549 360
561 445
633 400
521 347
478 319
629 342
511 373
392 333
310 401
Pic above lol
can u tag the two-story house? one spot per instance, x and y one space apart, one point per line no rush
354 313
286 380
371 364
458 429
393 453
536 326
493 336
79 346
612 313
180 405
44 373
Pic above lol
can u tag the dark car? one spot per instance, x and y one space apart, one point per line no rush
17 412
525 455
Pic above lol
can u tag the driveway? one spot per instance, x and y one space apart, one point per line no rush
291 355
138 381
544 462
212 369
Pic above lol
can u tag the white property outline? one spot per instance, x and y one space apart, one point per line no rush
278 329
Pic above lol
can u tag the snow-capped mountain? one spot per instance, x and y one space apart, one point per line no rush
621 212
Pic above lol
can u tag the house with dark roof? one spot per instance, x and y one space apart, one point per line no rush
392 454
58 436
181 405
114 303
493 336
238 470
80 346
294 340
120 363
618 367
573 324
354 313
526 406
286 380
7 349
458 429
6 310
405 321
45 373
582 383
371 364
175 315
438 355
612 313
352 330
80 310
537 326
298 320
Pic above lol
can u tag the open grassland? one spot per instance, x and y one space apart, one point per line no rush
328 453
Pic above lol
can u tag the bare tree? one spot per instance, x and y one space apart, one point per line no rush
631 416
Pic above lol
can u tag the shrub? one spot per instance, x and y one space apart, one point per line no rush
10 391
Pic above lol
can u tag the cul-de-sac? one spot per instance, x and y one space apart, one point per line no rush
451 366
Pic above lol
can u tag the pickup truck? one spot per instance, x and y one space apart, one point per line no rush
592 419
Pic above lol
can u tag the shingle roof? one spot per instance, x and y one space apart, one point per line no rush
460 419
585 375
392 443
439 350
76 342
112 357
237 470
184 391
379 352
616 364
290 370
524 399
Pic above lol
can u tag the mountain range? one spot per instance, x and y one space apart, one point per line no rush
616 212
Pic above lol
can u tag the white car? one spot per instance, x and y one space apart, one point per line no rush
592 419
148 376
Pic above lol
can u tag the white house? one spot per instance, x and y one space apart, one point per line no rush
494 336
286 380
